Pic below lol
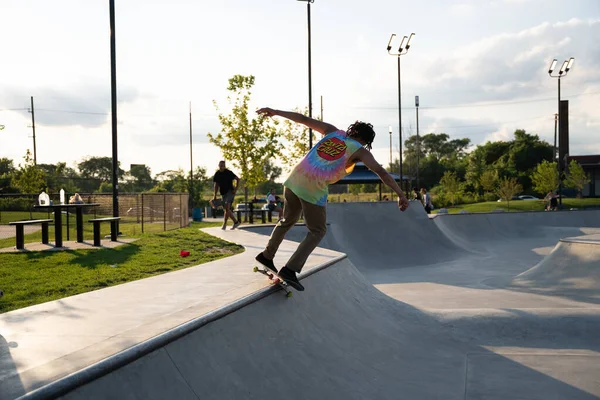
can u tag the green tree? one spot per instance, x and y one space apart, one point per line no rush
295 138
354 189
99 168
173 181
198 185
508 188
451 185
105 187
29 178
576 177
488 180
368 187
138 179
7 171
545 177
247 143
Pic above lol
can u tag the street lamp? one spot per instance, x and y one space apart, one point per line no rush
390 130
418 140
402 50
564 69
308 2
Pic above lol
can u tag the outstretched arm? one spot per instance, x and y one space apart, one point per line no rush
366 157
322 127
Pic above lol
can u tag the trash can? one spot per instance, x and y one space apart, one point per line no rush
197 214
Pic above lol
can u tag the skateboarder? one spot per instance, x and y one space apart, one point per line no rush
306 188
223 180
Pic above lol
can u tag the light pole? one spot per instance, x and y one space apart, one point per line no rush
113 100
308 2
402 50
418 140
564 69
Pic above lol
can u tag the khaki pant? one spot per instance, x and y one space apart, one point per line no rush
316 222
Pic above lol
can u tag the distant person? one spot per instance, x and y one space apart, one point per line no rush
273 204
415 195
385 198
552 201
426 200
223 180
306 188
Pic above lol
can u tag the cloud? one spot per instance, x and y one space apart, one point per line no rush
513 65
87 105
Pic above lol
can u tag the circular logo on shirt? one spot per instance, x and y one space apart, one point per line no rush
331 149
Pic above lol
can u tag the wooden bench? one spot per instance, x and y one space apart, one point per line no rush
113 228
21 230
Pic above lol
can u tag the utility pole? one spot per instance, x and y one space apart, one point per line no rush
191 162
32 111
113 101
322 108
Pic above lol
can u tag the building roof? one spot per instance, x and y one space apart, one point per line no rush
586 160
362 174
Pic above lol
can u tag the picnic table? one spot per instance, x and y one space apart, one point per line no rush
57 209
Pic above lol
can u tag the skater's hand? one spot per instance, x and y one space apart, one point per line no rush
402 203
266 111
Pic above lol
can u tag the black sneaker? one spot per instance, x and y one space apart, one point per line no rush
267 263
290 278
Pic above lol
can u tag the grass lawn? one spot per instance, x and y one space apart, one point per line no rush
129 226
521 205
38 277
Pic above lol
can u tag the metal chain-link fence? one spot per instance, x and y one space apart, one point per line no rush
139 212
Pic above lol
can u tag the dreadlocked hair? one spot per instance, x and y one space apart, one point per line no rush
362 130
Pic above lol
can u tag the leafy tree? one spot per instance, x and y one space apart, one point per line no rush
173 181
295 137
7 171
369 187
105 187
451 185
29 178
247 143
199 184
488 180
99 168
354 189
576 177
545 177
508 188
138 179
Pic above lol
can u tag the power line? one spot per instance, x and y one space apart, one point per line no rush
466 105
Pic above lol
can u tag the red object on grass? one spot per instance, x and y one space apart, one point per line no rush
184 253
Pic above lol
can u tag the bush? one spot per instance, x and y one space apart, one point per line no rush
490 197
16 204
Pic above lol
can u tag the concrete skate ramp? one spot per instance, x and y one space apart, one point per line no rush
379 236
342 340
483 230
571 270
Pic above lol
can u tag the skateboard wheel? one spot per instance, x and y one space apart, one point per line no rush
289 294
255 269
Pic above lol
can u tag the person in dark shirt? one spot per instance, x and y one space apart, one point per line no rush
223 180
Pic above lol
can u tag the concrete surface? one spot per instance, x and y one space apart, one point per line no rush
475 306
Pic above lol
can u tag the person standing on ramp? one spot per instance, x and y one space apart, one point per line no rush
306 188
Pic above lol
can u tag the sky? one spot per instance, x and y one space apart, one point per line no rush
479 67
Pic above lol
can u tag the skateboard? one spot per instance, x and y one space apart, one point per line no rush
275 279
216 203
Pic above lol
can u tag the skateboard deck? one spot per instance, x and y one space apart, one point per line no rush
216 203
275 279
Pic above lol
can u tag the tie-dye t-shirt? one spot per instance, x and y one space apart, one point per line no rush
324 164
